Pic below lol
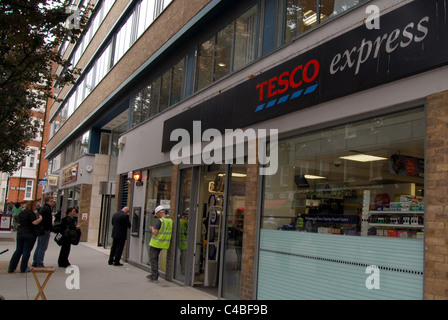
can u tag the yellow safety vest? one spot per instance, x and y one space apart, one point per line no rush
163 238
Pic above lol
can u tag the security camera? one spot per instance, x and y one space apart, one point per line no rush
337 163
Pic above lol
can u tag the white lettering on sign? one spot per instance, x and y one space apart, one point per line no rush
356 56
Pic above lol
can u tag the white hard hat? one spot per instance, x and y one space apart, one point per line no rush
159 208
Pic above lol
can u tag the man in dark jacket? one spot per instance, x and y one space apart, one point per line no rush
42 240
120 225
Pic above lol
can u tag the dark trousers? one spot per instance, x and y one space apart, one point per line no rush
25 243
63 254
154 260
116 250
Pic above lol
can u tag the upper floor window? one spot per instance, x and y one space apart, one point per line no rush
29 189
30 160
232 47
302 15
159 94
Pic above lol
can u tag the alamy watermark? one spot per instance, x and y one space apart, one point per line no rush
373 20
262 147
73 280
73 21
373 280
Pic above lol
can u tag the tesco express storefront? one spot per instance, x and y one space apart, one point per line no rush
344 215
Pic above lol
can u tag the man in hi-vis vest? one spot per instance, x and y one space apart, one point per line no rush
161 239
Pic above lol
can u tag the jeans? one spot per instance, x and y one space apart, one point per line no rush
25 243
154 260
42 245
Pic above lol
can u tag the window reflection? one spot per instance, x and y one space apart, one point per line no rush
301 15
245 38
205 62
223 52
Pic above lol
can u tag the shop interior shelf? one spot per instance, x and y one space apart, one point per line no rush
418 226
396 212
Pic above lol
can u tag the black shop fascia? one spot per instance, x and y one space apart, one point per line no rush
411 39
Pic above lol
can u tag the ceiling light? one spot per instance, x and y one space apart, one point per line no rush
309 17
363 158
239 175
234 174
313 177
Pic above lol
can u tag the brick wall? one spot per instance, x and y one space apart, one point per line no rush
436 197
84 207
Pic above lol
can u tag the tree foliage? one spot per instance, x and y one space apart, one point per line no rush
30 34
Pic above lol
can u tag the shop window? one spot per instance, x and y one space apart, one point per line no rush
346 198
158 192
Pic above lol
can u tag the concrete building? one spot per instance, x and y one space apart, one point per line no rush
344 194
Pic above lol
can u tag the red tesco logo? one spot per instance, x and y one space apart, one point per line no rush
286 80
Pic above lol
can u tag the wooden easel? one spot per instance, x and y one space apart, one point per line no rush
49 271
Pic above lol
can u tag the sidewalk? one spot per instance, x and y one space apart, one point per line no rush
98 280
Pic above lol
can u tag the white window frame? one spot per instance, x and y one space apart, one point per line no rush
29 187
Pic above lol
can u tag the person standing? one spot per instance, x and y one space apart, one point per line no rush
67 223
120 226
25 237
42 240
15 215
161 239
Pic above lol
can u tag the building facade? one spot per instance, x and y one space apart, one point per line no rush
299 146
28 182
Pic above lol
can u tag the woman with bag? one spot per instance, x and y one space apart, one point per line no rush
26 237
70 235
